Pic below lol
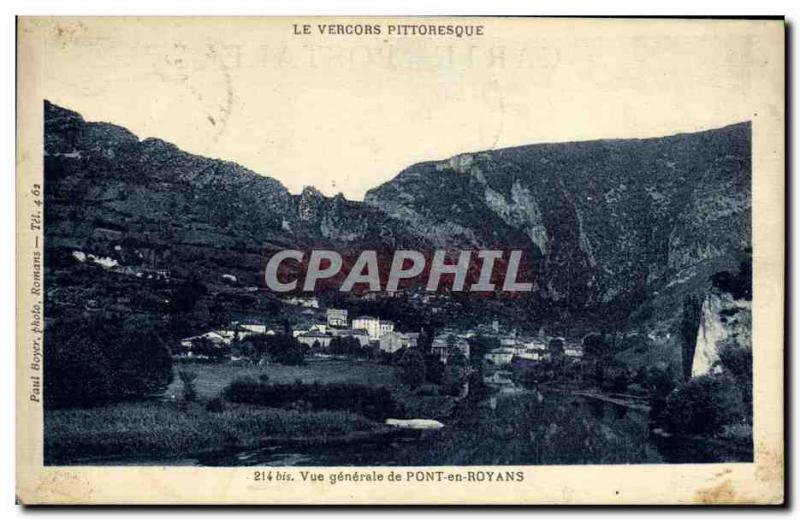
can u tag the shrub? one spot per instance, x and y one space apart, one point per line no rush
215 405
286 350
189 390
455 374
371 402
740 283
76 373
413 368
427 390
738 361
704 405
91 361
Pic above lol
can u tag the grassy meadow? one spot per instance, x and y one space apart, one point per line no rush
213 377
171 428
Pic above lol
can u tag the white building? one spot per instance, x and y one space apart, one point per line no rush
533 344
322 328
531 354
500 356
337 317
310 338
375 327
504 355
214 337
252 327
301 301
393 341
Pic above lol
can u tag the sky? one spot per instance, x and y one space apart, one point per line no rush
347 113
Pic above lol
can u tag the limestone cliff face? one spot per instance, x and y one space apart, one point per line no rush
602 221
724 319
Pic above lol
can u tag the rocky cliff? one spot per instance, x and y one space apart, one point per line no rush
613 222
604 220
145 203
725 319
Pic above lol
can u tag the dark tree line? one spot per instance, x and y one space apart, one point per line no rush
92 361
371 402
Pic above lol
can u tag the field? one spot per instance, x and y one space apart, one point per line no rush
173 430
157 429
213 377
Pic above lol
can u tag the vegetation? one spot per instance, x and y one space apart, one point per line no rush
95 361
739 284
737 361
455 374
285 349
478 348
164 430
703 405
374 403
434 369
660 382
213 377
412 366
216 405
722 399
348 346
189 390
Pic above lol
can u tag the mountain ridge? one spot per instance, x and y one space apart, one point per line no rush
602 221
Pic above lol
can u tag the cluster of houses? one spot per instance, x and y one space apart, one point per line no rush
529 349
381 334
368 330
238 330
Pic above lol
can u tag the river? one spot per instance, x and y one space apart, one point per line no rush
513 426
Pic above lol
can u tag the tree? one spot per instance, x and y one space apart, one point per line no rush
76 373
434 369
704 405
556 348
187 379
286 350
255 346
738 362
478 348
659 382
739 284
620 382
455 374
346 346
139 358
596 347
412 368
210 349
185 295
95 360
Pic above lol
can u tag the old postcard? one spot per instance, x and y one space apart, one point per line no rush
400 261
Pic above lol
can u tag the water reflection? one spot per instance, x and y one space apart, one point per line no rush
511 425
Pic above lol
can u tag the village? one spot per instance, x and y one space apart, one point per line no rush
324 327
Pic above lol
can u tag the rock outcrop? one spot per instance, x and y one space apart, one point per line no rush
723 320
